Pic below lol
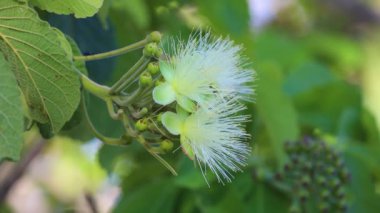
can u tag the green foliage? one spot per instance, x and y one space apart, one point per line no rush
11 118
311 79
80 8
41 66
281 123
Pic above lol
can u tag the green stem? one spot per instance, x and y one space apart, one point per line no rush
117 52
142 141
132 97
114 115
95 88
111 141
130 75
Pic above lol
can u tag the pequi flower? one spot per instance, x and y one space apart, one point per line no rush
213 137
203 68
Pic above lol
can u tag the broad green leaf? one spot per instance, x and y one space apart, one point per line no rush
11 117
75 51
77 127
80 8
45 74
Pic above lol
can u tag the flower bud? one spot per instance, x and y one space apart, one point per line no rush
335 182
142 124
305 180
154 36
159 82
324 207
166 145
159 118
158 53
150 49
321 180
295 208
146 79
325 194
153 68
144 110
303 195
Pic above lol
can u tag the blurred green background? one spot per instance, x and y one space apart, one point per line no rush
317 75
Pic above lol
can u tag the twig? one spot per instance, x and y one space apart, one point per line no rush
91 203
19 170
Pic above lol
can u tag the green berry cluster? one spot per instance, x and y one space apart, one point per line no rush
317 176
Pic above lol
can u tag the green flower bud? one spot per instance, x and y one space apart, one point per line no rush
155 36
153 68
146 79
335 182
158 53
150 49
159 118
321 180
303 195
159 82
340 192
295 208
305 180
342 205
143 111
330 170
142 124
166 145
324 207
325 194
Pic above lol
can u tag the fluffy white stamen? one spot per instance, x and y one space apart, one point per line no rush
206 66
216 138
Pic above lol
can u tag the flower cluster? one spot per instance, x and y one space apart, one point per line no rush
206 79
316 175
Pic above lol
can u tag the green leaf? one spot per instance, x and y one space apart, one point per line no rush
80 8
45 74
227 16
11 117
306 77
137 10
189 176
266 199
157 196
276 109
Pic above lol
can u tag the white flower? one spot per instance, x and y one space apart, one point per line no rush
214 137
203 68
